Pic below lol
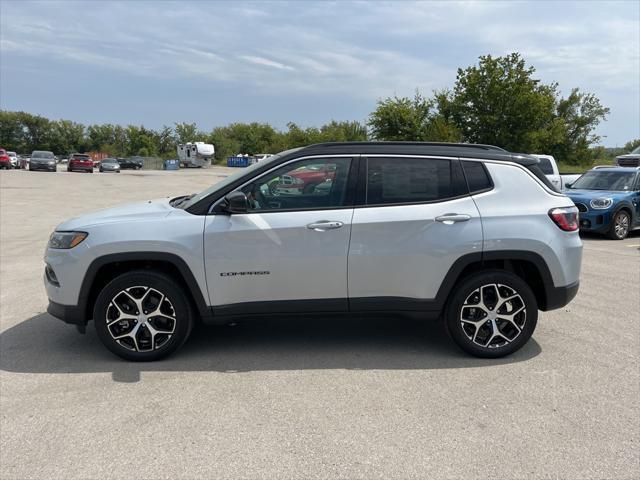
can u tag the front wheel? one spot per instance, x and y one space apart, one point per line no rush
620 226
143 316
491 314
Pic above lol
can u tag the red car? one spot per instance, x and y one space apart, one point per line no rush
80 162
5 161
306 179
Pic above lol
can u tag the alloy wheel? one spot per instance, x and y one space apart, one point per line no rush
621 225
141 319
493 315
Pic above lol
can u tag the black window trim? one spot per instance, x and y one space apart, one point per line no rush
349 202
361 198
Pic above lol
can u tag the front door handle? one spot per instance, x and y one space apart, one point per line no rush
323 225
451 218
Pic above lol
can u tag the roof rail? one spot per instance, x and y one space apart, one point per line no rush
434 144
604 166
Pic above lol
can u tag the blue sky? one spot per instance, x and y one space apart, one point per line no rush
156 63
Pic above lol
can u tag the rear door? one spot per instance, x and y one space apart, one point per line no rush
415 219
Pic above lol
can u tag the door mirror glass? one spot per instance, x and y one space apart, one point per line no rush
236 202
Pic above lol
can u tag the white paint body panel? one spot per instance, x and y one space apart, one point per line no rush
302 263
524 223
402 251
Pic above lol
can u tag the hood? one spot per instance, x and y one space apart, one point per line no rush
629 155
582 195
131 212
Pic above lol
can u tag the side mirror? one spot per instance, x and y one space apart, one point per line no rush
568 185
236 202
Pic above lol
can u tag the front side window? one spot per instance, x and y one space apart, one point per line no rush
411 180
307 184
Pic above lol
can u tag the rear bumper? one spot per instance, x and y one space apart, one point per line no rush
558 297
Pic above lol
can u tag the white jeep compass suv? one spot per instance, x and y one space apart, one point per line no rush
469 233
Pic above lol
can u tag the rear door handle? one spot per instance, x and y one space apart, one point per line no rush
323 225
451 218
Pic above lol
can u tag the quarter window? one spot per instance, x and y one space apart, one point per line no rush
411 180
477 176
307 184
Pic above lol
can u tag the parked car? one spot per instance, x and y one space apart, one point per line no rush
5 161
42 160
608 199
80 162
630 159
109 165
13 157
304 180
131 163
469 232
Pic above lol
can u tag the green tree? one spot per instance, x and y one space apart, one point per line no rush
66 137
411 119
186 132
578 114
499 102
631 145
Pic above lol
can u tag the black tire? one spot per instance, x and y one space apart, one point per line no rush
511 336
156 283
620 225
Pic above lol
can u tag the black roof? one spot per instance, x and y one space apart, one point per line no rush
464 150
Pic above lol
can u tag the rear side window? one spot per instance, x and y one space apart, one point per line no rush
477 177
411 180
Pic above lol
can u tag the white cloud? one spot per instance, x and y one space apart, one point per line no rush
362 50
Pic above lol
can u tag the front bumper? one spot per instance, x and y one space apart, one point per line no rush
595 220
42 166
71 314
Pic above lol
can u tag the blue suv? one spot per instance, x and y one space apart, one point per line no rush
608 199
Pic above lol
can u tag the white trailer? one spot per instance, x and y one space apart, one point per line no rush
196 154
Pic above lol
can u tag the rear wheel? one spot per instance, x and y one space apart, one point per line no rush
143 316
620 226
491 314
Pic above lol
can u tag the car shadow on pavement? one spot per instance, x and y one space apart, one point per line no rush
43 344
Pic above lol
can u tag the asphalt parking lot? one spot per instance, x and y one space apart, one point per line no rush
366 398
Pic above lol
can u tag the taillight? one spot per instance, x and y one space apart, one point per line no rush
566 218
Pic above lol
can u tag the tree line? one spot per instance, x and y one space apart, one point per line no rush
498 101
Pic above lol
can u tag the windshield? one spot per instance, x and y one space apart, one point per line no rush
232 178
38 154
109 160
600 180
636 151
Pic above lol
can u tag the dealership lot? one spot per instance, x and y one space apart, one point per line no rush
361 398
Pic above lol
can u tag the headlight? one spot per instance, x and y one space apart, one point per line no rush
601 203
66 240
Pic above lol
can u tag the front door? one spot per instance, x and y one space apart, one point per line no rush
289 252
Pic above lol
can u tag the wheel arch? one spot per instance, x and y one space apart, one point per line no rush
529 266
104 269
